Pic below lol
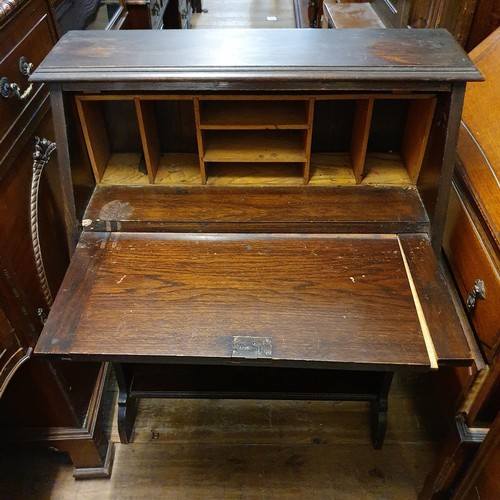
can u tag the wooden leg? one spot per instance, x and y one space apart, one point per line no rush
127 406
91 454
379 409
88 447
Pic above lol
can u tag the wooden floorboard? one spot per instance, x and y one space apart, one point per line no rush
249 449
245 14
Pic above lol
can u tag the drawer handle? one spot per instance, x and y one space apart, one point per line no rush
8 89
478 292
43 149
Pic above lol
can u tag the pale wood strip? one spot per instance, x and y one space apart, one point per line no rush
416 135
429 344
96 136
360 134
149 136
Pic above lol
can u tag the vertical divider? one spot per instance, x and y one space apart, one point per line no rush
360 134
148 129
95 134
308 139
199 137
416 134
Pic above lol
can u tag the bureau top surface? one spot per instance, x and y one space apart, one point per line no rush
251 54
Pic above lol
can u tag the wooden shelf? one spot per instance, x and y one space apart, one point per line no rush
241 146
327 169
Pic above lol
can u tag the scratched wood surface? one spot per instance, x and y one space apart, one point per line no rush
335 299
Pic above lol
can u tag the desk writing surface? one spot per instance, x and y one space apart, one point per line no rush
330 300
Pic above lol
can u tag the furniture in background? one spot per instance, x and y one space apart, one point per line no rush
242 242
49 402
159 14
470 21
472 249
89 14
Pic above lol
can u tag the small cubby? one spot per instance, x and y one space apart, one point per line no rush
344 139
254 131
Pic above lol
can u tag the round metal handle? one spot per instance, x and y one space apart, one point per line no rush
8 89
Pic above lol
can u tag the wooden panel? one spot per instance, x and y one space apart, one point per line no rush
470 260
314 209
35 43
96 135
479 143
149 136
339 301
360 134
416 135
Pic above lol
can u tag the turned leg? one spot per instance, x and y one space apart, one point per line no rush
379 409
127 406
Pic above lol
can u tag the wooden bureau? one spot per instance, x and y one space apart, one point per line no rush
262 224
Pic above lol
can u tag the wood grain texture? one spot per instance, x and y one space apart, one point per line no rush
333 300
270 209
479 139
470 259
445 328
167 56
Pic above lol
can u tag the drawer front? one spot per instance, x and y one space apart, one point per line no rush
470 260
35 38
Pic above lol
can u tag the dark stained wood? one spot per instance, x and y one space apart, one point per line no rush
485 21
276 209
38 37
444 325
319 56
310 294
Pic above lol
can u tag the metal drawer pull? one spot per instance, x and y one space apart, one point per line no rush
478 292
8 89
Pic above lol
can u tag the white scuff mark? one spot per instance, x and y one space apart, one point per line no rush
120 280
352 279
86 222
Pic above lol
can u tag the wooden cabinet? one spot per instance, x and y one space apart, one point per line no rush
279 213
471 245
40 401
